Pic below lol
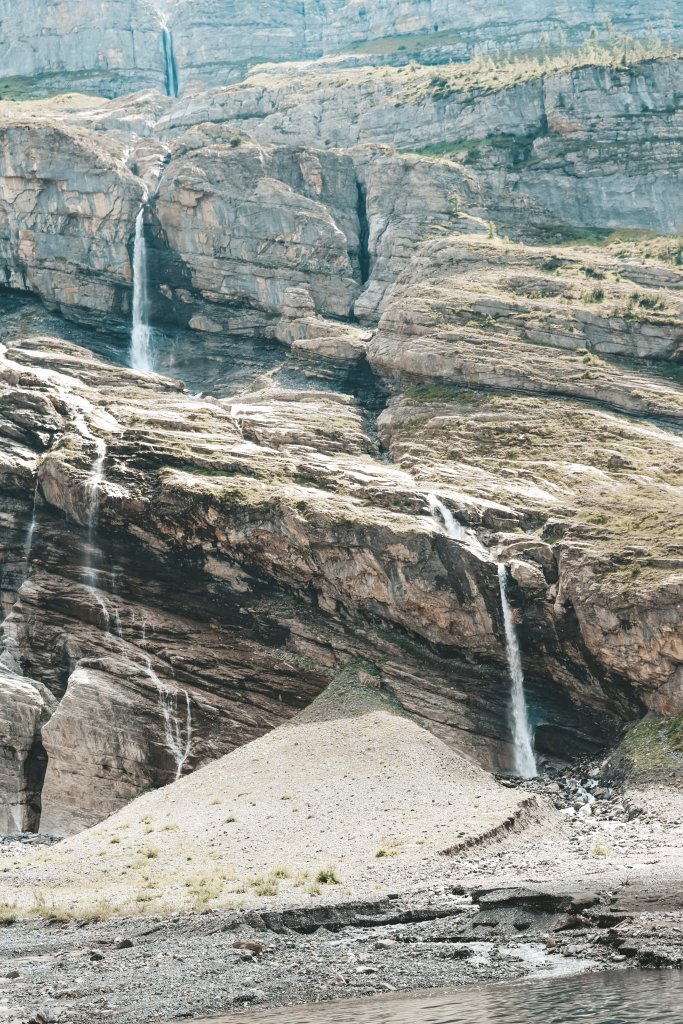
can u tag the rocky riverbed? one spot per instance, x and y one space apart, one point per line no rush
604 895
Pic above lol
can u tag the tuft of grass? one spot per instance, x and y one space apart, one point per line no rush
265 887
8 913
230 819
205 888
328 876
150 852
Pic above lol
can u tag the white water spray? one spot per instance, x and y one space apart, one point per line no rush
177 734
454 529
141 336
525 762
92 493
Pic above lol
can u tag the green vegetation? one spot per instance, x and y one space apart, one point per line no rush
465 150
653 745
20 88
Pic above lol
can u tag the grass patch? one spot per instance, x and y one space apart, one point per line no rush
654 745
328 876
150 852
8 913
205 888
265 887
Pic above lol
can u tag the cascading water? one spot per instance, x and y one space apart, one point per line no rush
141 336
92 493
454 529
170 66
177 735
525 762
28 546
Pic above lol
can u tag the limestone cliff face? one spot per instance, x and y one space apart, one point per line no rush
67 202
116 47
594 146
107 48
245 223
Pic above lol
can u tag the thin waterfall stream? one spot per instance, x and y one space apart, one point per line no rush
141 335
28 545
177 734
523 750
525 761
170 66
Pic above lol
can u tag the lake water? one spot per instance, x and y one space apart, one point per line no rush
622 997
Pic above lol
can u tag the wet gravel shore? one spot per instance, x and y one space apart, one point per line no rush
146 969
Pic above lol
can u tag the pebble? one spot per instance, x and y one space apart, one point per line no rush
254 947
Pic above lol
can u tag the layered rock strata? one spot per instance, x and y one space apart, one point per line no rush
118 47
180 574
594 145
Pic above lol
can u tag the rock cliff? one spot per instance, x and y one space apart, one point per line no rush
116 47
411 349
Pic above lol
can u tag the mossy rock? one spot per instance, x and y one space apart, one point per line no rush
652 749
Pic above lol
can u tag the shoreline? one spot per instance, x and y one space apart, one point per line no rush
201 966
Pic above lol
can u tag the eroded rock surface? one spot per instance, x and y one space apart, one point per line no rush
365 334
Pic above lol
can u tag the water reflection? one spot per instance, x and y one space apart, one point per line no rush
623 997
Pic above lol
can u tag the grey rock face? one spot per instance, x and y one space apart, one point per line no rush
24 707
593 146
67 202
246 223
108 48
117 47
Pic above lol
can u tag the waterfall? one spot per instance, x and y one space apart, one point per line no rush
92 492
454 529
170 66
177 735
28 545
525 762
140 347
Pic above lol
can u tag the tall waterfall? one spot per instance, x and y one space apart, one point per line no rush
140 347
525 762
170 66
90 574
